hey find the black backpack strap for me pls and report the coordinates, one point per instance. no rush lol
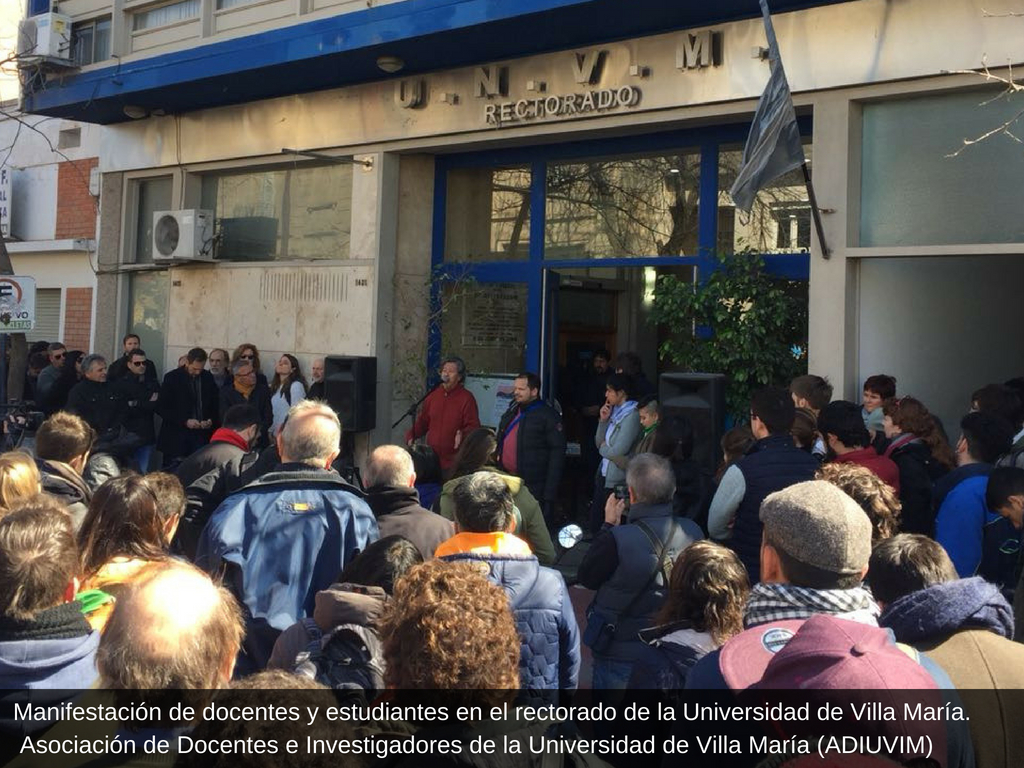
(659, 549)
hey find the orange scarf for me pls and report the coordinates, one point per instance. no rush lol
(242, 389)
(497, 543)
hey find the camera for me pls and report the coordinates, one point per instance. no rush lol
(622, 492)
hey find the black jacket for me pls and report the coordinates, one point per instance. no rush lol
(622, 565)
(399, 513)
(100, 403)
(140, 405)
(208, 476)
(119, 368)
(259, 399)
(63, 483)
(540, 448)
(178, 405)
(918, 471)
(770, 464)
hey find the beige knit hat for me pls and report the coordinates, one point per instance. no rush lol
(819, 525)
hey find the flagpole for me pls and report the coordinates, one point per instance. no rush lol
(815, 213)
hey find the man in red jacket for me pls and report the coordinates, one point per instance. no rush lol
(848, 441)
(448, 414)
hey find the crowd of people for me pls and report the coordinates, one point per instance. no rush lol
(121, 399)
(840, 545)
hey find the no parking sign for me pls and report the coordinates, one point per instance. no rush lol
(17, 304)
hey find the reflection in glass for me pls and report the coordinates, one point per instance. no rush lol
(920, 185)
(622, 207)
(147, 307)
(485, 324)
(153, 195)
(488, 215)
(291, 213)
(780, 220)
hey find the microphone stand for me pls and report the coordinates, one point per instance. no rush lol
(414, 407)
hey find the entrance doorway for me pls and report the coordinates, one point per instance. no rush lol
(542, 256)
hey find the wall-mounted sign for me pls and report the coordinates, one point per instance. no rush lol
(5, 202)
(17, 304)
(587, 74)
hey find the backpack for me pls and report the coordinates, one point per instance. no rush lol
(349, 659)
(1000, 555)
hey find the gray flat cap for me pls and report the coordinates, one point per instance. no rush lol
(819, 525)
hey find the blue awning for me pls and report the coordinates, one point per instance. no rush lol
(428, 35)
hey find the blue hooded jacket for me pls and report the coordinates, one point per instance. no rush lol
(280, 540)
(548, 632)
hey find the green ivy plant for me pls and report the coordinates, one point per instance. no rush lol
(741, 322)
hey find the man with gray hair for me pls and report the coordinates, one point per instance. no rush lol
(286, 536)
(629, 565)
(448, 414)
(244, 387)
(549, 635)
(95, 399)
(390, 481)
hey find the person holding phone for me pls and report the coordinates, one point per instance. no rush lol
(617, 429)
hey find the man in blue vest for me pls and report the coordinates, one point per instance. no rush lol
(531, 442)
(772, 463)
(629, 565)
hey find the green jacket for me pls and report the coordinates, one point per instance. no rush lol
(530, 525)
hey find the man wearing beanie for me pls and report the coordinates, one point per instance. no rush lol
(814, 555)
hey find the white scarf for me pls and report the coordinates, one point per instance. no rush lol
(619, 412)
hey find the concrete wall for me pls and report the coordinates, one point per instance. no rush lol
(942, 326)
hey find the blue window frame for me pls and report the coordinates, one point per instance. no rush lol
(708, 141)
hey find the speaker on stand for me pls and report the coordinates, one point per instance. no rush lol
(701, 398)
(350, 388)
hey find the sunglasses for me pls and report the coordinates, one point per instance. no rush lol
(245, 357)
(137, 363)
(58, 357)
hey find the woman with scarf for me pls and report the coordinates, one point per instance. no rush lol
(244, 387)
(617, 429)
(922, 455)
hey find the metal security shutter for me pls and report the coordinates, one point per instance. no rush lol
(47, 316)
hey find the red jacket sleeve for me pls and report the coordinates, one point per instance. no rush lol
(470, 415)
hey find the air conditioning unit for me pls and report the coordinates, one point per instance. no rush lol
(47, 35)
(185, 235)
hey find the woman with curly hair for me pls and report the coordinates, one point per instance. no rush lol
(922, 455)
(872, 494)
(449, 629)
(704, 607)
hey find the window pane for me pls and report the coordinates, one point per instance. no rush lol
(488, 215)
(295, 213)
(485, 325)
(780, 219)
(101, 48)
(635, 206)
(166, 14)
(147, 302)
(222, 4)
(914, 192)
(154, 195)
(82, 43)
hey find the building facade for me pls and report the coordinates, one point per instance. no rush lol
(507, 181)
(52, 170)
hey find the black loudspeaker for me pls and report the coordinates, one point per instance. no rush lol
(701, 398)
(350, 387)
